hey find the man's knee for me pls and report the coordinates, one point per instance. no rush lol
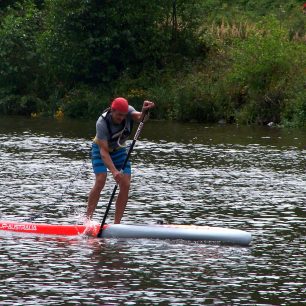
(125, 183)
(100, 180)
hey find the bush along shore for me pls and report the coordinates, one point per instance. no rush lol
(205, 61)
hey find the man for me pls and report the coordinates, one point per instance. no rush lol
(113, 128)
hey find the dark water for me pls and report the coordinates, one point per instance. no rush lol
(247, 178)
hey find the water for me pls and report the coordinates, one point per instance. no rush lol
(248, 178)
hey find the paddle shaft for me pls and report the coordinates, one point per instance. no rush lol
(139, 129)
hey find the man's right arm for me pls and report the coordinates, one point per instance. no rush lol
(104, 151)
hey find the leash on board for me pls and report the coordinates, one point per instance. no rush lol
(58, 200)
(139, 129)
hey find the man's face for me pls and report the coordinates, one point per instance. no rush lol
(118, 117)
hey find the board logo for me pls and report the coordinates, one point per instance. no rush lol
(18, 227)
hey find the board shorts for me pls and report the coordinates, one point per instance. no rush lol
(118, 157)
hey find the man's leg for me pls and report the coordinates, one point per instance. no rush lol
(122, 197)
(94, 194)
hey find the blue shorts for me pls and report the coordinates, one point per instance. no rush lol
(118, 158)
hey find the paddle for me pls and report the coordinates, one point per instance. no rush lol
(139, 129)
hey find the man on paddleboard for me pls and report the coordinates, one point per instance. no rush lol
(113, 128)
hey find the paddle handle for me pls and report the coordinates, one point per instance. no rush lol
(139, 129)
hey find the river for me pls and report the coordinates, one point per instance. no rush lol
(249, 178)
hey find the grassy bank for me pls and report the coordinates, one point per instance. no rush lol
(205, 61)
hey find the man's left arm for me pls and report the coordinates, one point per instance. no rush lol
(137, 116)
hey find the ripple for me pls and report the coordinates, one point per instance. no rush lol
(256, 183)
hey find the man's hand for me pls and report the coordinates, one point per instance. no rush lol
(117, 176)
(138, 116)
(147, 105)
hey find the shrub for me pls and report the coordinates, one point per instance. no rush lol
(85, 102)
(19, 61)
(11, 104)
(294, 113)
(262, 72)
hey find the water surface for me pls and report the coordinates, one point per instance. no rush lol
(239, 177)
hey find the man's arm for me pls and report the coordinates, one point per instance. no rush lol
(137, 116)
(104, 151)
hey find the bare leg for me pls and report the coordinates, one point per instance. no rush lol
(122, 197)
(94, 194)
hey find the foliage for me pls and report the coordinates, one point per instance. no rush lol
(83, 101)
(19, 61)
(263, 71)
(239, 61)
(98, 40)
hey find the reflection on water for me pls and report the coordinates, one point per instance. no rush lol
(247, 178)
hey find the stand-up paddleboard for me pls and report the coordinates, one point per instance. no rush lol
(158, 231)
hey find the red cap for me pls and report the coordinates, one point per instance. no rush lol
(121, 105)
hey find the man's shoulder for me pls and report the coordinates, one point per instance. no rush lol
(101, 129)
(131, 109)
(101, 123)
